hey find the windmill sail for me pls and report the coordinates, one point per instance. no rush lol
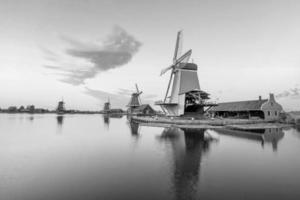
(178, 46)
(183, 59)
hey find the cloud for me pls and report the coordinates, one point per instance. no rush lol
(115, 51)
(116, 100)
(293, 92)
(125, 92)
(150, 97)
(119, 99)
(146, 97)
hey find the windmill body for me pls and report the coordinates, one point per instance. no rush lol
(186, 97)
(135, 106)
(135, 100)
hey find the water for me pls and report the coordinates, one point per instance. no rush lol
(92, 157)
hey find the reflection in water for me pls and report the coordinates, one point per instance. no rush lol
(273, 136)
(134, 129)
(89, 162)
(298, 128)
(31, 118)
(60, 121)
(264, 136)
(106, 120)
(188, 146)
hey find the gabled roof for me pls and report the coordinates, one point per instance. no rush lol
(239, 105)
(142, 107)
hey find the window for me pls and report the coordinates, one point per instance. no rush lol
(269, 113)
(275, 113)
(271, 103)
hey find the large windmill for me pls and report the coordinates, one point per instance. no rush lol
(135, 100)
(186, 96)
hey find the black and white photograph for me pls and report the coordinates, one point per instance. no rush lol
(149, 99)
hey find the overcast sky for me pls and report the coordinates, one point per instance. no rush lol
(87, 51)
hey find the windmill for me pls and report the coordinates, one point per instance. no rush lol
(185, 95)
(135, 100)
(178, 62)
(106, 106)
(61, 107)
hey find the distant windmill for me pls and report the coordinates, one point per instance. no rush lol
(106, 106)
(185, 84)
(135, 100)
(60, 107)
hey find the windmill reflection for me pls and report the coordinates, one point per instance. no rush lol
(106, 119)
(60, 121)
(188, 147)
(298, 127)
(134, 129)
(264, 136)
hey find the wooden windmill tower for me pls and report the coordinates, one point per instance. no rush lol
(106, 107)
(186, 97)
(61, 107)
(135, 100)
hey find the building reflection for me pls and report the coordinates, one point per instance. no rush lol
(188, 147)
(263, 136)
(31, 118)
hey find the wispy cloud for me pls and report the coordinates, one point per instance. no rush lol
(120, 98)
(125, 92)
(115, 51)
(293, 92)
(117, 100)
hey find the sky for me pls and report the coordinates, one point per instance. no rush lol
(86, 52)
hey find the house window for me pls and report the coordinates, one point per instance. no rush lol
(271, 103)
(269, 113)
(275, 113)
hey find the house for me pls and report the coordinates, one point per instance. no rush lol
(30, 108)
(267, 109)
(144, 109)
(12, 109)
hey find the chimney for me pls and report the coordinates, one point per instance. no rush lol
(259, 98)
(271, 98)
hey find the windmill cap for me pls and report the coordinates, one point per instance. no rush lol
(189, 66)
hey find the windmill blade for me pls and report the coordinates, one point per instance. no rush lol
(138, 93)
(185, 57)
(178, 46)
(137, 89)
(166, 69)
(171, 76)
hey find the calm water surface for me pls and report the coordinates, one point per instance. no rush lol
(45, 157)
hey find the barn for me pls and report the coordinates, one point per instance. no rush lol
(144, 109)
(267, 109)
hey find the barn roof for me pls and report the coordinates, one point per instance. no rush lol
(142, 107)
(239, 105)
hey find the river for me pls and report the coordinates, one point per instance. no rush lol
(50, 157)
